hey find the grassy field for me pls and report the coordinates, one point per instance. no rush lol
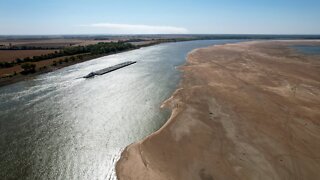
(12, 55)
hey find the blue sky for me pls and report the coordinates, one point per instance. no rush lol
(155, 16)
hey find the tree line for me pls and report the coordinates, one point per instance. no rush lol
(3, 47)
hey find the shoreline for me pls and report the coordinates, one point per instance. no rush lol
(184, 147)
(20, 77)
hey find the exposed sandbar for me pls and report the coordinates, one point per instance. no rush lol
(243, 111)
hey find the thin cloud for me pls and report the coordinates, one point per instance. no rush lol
(137, 29)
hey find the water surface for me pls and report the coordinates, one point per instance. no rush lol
(58, 126)
(308, 49)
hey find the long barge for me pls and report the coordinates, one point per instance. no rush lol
(109, 69)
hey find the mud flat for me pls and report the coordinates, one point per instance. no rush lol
(243, 111)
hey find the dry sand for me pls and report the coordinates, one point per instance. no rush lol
(243, 111)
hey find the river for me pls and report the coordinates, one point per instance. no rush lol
(61, 126)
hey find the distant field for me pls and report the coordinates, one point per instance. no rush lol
(12, 55)
(41, 43)
(51, 43)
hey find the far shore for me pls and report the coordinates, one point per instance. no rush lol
(243, 111)
(18, 78)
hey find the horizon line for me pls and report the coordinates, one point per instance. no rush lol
(99, 34)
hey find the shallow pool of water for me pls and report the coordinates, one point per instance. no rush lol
(308, 49)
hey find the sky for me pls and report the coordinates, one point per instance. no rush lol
(49, 17)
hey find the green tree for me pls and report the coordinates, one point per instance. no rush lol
(28, 68)
(72, 58)
(18, 60)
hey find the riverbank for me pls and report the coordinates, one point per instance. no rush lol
(243, 111)
(20, 77)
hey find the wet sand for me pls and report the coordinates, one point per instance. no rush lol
(243, 111)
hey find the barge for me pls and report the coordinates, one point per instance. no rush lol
(109, 69)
